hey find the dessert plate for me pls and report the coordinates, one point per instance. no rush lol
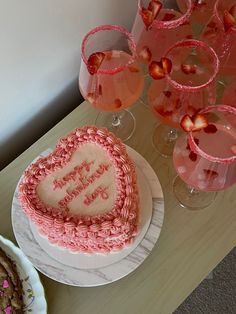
(115, 270)
(33, 297)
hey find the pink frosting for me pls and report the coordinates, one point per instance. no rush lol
(99, 233)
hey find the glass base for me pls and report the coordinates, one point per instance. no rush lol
(190, 197)
(122, 123)
(164, 138)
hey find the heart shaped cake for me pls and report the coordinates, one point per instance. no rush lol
(83, 196)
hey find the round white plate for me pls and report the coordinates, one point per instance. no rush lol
(93, 277)
(33, 297)
(92, 261)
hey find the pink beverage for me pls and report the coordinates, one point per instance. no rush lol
(168, 27)
(205, 160)
(229, 98)
(114, 92)
(221, 37)
(189, 87)
(202, 10)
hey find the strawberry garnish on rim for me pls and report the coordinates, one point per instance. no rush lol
(145, 54)
(166, 64)
(155, 7)
(188, 68)
(94, 62)
(186, 123)
(229, 20)
(159, 69)
(148, 15)
(117, 103)
(195, 123)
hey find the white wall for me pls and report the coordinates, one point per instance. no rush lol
(40, 59)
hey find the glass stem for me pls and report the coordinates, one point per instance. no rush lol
(172, 135)
(115, 120)
(192, 190)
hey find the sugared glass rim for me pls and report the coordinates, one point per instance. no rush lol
(208, 49)
(116, 28)
(218, 15)
(170, 24)
(197, 150)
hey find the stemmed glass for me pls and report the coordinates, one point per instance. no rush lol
(188, 88)
(110, 77)
(220, 34)
(202, 11)
(205, 160)
(157, 26)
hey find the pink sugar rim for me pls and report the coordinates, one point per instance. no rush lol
(218, 16)
(170, 24)
(196, 149)
(208, 49)
(116, 28)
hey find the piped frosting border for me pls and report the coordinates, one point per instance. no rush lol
(101, 233)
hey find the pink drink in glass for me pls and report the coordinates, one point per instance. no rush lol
(202, 10)
(222, 40)
(110, 77)
(206, 161)
(169, 26)
(118, 82)
(189, 87)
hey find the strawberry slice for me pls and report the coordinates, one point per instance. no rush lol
(233, 149)
(91, 97)
(178, 104)
(229, 20)
(145, 54)
(186, 123)
(155, 7)
(188, 68)
(192, 156)
(117, 103)
(166, 64)
(167, 93)
(210, 174)
(211, 128)
(168, 17)
(100, 89)
(133, 69)
(156, 70)
(147, 17)
(95, 61)
(232, 11)
(199, 122)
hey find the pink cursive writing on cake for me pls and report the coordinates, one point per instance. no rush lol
(83, 181)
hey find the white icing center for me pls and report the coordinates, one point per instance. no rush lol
(98, 197)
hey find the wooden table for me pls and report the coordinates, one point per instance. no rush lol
(191, 244)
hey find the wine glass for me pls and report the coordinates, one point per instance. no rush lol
(110, 77)
(157, 26)
(189, 87)
(205, 160)
(220, 34)
(201, 13)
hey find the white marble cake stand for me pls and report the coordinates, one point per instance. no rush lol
(99, 276)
